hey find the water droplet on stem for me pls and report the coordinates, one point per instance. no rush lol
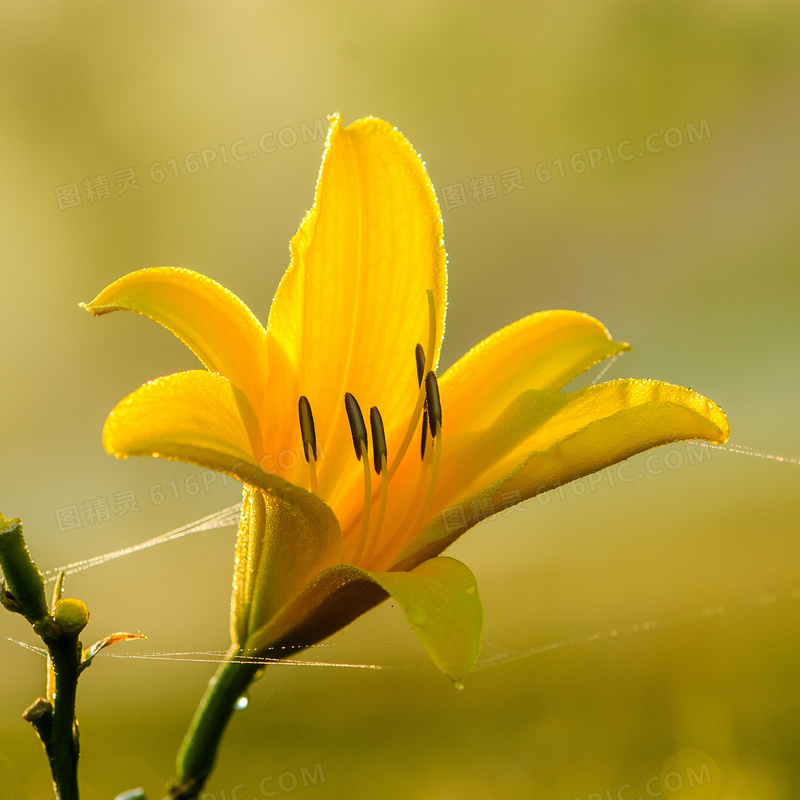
(242, 703)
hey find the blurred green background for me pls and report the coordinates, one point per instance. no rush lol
(689, 250)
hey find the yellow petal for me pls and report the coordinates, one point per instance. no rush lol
(353, 305)
(194, 416)
(439, 599)
(542, 351)
(286, 536)
(198, 418)
(215, 324)
(544, 440)
(536, 420)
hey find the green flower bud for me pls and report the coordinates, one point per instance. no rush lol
(71, 615)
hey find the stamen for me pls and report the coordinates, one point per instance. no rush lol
(420, 353)
(415, 415)
(309, 434)
(434, 404)
(378, 439)
(357, 426)
(420, 375)
(359, 431)
(307, 430)
(379, 454)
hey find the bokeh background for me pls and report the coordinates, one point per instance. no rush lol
(642, 628)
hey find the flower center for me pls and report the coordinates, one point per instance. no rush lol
(369, 548)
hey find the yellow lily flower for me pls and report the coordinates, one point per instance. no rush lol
(331, 526)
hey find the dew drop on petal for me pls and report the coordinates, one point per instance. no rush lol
(242, 703)
(458, 685)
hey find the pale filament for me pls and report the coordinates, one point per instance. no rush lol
(312, 475)
(362, 539)
(384, 494)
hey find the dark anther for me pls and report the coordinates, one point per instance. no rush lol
(423, 441)
(356, 420)
(434, 404)
(420, 354)
(307, 427)
(378, 438)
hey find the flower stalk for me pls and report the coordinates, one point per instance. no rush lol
(198, 751)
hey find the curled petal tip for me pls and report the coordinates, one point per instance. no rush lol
(91, 308)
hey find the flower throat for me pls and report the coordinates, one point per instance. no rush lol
(368, 549)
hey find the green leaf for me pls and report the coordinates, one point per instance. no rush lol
(440, 601)
(439, 598)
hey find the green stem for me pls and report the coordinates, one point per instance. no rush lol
(199, 748)
(65, 652)
(22, 591)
